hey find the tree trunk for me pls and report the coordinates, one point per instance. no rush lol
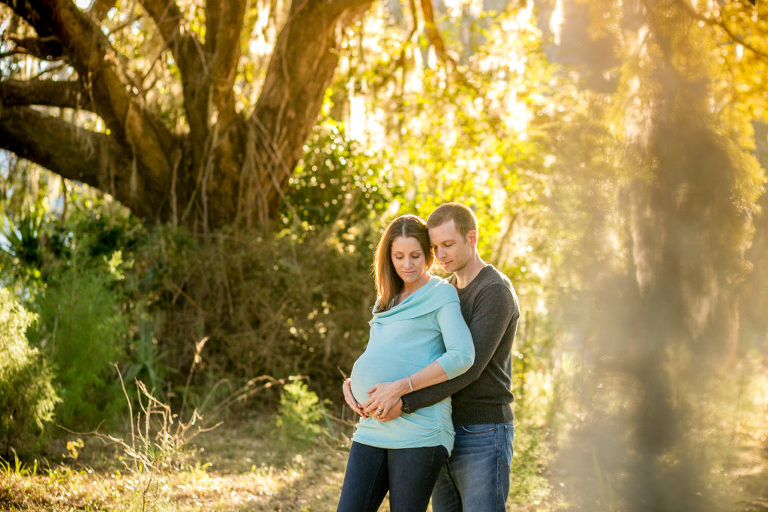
(226, 166)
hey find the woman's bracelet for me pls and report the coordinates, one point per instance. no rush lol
(410, 384)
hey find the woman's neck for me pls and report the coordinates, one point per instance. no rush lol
(409, 288)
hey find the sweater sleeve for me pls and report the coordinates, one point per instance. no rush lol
(459, 350)
(493, 311)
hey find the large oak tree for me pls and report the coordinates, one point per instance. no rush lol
(222, 161)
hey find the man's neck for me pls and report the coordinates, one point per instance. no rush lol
(466, 274)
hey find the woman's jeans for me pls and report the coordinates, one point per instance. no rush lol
(408, 474)
(476, 477)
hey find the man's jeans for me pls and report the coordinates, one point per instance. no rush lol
(408, 474)
(476, 477)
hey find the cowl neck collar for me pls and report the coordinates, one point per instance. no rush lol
(431, 296)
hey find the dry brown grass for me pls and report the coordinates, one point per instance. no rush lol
(233, 468)
(242, 465)
(292, 488)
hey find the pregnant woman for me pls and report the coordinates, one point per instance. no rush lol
(418, 338)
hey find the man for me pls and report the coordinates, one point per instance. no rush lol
(476, 477)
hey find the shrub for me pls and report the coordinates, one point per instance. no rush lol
(299, 413)
(71, 269)
(269, 304)
(82, 329)
(336, 182)
(291, 297)
(27, 397)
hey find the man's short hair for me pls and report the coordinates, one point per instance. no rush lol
(463, 218)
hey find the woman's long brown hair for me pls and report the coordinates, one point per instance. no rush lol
(388, 283)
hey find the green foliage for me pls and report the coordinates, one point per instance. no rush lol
(82, 329)
(529, 483)
(145, 361)
(269, 304)
(299, 413)
(30, 244)
(22, 240)
(72, 271)
(18, 467)
(336, 181)
(291, 298)
(543, 161)
(27, 395)
(472, 131)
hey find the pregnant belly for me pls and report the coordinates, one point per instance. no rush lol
(369, 371)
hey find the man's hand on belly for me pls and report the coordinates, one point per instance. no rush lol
(383, 397)
(394, 412)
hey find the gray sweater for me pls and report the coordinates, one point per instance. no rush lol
(483, 394)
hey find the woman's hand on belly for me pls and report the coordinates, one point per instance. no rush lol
(384, 396)
(350, 398)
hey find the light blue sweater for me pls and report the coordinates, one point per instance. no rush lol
(427, 326)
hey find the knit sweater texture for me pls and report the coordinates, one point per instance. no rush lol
(427, 326)
(483, 394)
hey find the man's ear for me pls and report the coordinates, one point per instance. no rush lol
(472, 237)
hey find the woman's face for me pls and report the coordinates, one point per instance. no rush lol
(409, 259)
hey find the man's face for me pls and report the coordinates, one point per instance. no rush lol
(452, 250)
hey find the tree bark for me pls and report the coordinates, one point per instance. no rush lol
(293, 91)
(43, 92)
(224, 166)
(76, 154)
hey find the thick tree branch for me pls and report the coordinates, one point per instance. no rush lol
(183, 44)
(433, 34)
(76, 154)
(226, 56)
(228, 168)
(212, 18)
(189, 57)
(51, 93)
(100, 8)
(97, 64)
(343, 5)
(292, 94)
(44, 48)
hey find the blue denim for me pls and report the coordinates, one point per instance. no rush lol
(408, 474)
(476, 477)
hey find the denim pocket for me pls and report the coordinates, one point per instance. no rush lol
(487, 428)
(509, 430)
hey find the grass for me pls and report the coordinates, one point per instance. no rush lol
(232, 468)
(243, 465)
(247, 465)
(255, 465)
